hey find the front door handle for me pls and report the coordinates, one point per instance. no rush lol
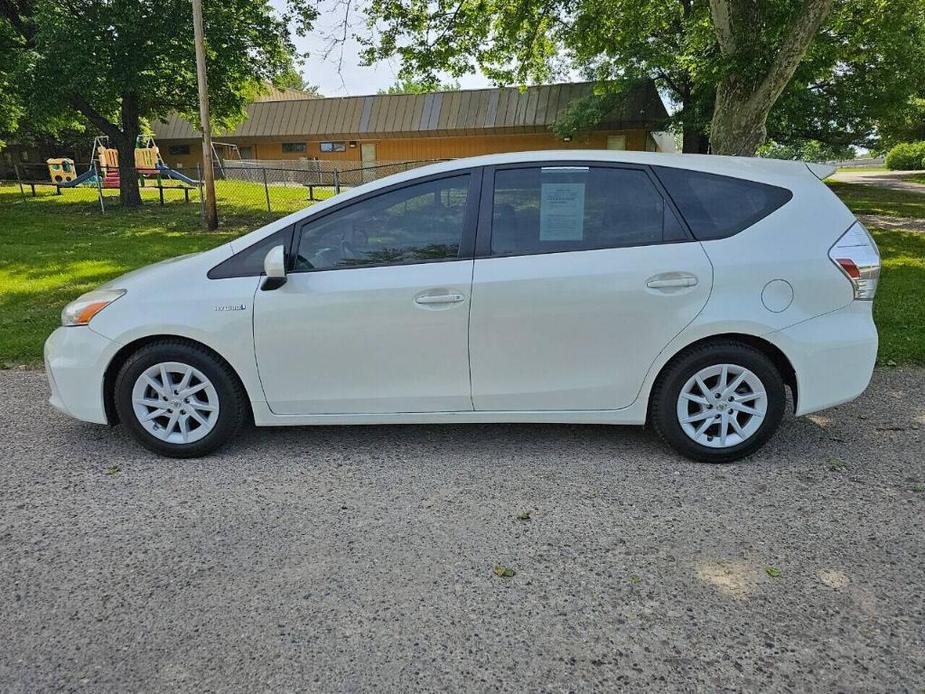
(431, 299)
(672, 280)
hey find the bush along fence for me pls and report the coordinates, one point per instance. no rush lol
(906, 156)
(258, 188)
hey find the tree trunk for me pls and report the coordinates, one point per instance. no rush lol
(129, 193)
(741, 108)
(739, 124)
(122, 139)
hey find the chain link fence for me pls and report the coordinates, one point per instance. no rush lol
(248, 191)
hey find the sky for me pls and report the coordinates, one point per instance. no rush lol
(340, 73)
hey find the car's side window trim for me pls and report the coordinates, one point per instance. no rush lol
(486, 206)
(470, 216)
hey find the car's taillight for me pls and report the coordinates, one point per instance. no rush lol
(856, 254)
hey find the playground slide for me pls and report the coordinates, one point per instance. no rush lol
(176, 175)
(87, 177)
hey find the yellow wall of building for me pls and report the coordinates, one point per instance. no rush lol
(421, 148)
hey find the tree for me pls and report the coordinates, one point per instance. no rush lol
(723, 64)
(120, 62)
(412, 86)
(291, 78)
(904, 125)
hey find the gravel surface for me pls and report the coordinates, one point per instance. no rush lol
(361, 559)
(894, 180)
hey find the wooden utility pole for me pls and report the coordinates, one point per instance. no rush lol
(211, 213)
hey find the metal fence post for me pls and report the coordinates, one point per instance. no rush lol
(22, 190)
(336, 181)
(266, 188)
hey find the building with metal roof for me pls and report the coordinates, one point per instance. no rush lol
(289, 124)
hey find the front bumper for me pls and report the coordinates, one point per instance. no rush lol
(75, 364)
(833, 355)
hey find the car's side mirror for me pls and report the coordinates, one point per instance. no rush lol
(274, 266)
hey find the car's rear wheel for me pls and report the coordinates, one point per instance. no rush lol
(718, 402)
(178, 399)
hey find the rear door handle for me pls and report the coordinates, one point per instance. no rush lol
(431, 299)
(671, 280)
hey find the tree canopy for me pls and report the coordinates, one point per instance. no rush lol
(409, 85)
(116, 63)
(825, 70)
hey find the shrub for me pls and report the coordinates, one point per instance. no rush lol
(906, 156)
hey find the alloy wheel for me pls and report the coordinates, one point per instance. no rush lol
(175, 402)
(722, 405)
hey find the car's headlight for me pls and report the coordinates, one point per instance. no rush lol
(83, 308)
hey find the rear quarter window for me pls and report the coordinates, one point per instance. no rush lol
(716, 207)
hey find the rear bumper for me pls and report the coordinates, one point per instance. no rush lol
(75, 364)
(833, 355)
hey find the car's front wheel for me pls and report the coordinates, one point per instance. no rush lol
(178, 399)
(718, 402)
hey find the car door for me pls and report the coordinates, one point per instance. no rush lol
(583, 273)
(373, 317)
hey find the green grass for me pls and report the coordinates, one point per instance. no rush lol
(53, 248)
(899, 308)
(864, 199)
(917, 178)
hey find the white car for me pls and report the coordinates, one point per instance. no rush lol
(602, 287)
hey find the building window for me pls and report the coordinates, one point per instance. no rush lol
(178, 150)
(24, 155)
(616, 142)
(246, 152)
(333, 146)
(293, 147)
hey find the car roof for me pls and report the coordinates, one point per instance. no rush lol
(742, 167)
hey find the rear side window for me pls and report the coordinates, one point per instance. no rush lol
(552, 209)
(249, 262)
(717, 207)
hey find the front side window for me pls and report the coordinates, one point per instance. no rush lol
(573, 208)
(178, 150)
(293, 147)
(422, 222)
(333, 146)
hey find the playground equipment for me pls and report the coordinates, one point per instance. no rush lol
(61, 170)
(148, 164)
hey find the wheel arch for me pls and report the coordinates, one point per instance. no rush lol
(773, 352)
(130, 348)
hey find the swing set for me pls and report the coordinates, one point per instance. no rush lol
(104, 171)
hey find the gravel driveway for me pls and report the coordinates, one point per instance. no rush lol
(361, 559)
(894, 180)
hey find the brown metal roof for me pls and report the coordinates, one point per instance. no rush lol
(505, 109)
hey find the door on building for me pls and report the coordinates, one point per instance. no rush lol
(368, 157)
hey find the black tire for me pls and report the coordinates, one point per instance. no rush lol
(232, 399)
(663, 413)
